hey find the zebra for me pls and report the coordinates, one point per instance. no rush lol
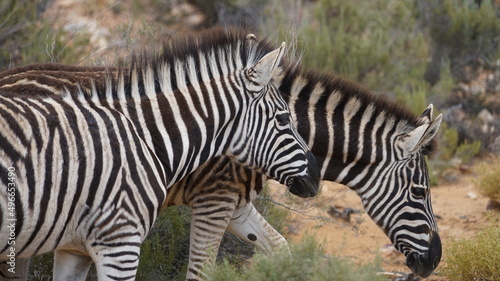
(90, 168)
(369, 143)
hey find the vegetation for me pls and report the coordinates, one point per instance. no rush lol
(164, 254)
(464, 32)
(307, 262)
(488, 182)
(25, 38)
(16, 18)
(451, 153)
(476, 258)
(367, 45)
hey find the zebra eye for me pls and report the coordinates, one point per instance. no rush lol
(418, 192)
(283, 119)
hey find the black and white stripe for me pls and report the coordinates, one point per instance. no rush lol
(375, 147)
(94, 161)
(359, 140)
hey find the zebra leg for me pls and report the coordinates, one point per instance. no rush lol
(251, 227)
(19, 273)
(208, 225)
(70, 266)
(118, 262)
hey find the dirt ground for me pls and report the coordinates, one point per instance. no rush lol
(459, 208)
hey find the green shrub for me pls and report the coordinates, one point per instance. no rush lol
(164, 254)
(308, 262)
(413, 94)
(452, 149)
(476, 258)
(16, 21)
(488, 182)
(26, 39)
(451, 153)
(41, 267)
(463, 32)
(365, 42)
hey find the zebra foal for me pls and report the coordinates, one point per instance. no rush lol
(93, 165)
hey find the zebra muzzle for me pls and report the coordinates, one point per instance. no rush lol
(424, 264)
(306, 186)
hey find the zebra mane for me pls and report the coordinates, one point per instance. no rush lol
(231, 42)
(348, 89)
(217, 40)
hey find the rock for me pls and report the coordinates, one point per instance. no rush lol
(399, 276)
(472, 195)
(494, 146)
(493, 205)
(485, 116)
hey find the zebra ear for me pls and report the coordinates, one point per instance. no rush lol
(420, 136)
(426, 117)
(251, 38)
(262, 72)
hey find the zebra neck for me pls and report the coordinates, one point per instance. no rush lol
(349, 130)
(184, 123)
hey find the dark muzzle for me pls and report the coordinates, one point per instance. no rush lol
(306, 186)
(424, 265)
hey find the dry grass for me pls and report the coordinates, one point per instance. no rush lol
(477, 258)
(488, 182)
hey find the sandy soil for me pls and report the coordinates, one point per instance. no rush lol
(459, 208)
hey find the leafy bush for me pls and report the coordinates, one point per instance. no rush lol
(455, 152)
(16, 18)
(308, 262)
(476, 258)
(451, 153)
(26, 39)
(464, 31)
(364, 41)
(488, 182)
(164, 254)
(41, 267)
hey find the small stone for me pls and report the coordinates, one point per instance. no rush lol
(485, 116)
(472, 195)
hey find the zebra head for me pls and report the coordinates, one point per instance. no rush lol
(269, 140)
(404, 209)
